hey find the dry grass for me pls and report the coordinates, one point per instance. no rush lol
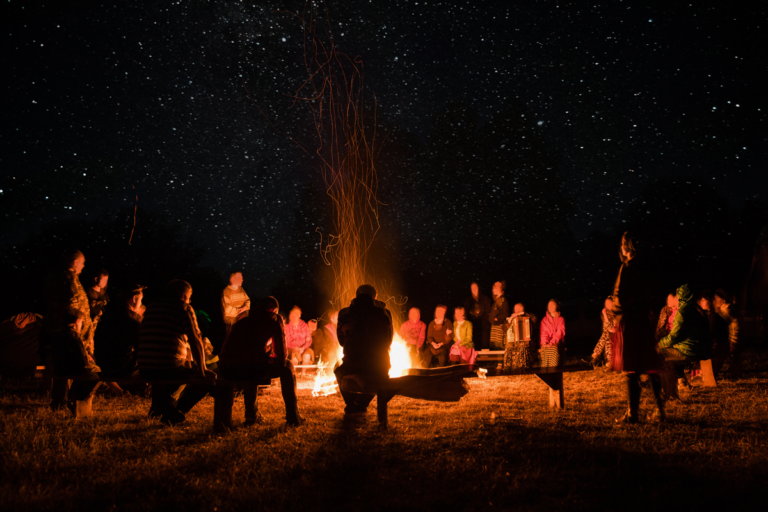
(448, 456)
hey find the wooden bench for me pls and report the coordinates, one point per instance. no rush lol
(551, 376)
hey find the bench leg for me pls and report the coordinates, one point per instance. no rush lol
(381, 407)
(707, 373)
(223, 401)
(84, 408)
(556, 391)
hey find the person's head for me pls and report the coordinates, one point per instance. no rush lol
(721, 298)
(704, 300)
(414, 314)
(101, 279)
(135, 295)
(458, 314)
(312, 324)
(498, 288)
(270, 304)
(553, 307)
(628, 248)
(236, 279)
(475, 289)
(334, 316)
(75, 260)
(74, 318)
(294, 315)
(519, 308)
(440, 312)
(672, 301)
(608, 304)
(179, 289)
(366, 290)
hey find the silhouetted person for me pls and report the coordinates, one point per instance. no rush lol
(97, 297)
(478, 309)
(365, 331)
(634, 346)
(116, 342)
(169, 335)
(498, 315)
(325, 342)
(255, 349)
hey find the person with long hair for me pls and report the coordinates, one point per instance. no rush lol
(633, 342)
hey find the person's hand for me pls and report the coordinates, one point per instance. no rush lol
(434, 345)
(439, 345)
(447, 332)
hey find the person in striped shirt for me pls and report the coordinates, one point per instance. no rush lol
(169, 334)
(234, 300)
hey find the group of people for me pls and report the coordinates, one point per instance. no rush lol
(163, 343)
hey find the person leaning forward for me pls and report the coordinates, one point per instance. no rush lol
(255, 349)
(365, 331)
(168, 332)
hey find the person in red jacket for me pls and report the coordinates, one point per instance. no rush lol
(414, 332)
(552, 335)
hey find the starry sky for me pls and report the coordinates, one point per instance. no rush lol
(105, 101)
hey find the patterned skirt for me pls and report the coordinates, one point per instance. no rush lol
(518, 355)
(497, 337)
(550, 356)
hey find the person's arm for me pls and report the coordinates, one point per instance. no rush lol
(422, 335)
(559, 336)
(307, 338)
(661, 326)
(196, 343)
(466, 340)
(247, 304)
(431, 334)
(546, 332)
(673, 337)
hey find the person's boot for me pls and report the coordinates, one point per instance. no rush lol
(659, 416)
(633, 393)
(255, 419)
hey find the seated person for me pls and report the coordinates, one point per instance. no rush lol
(726, 310)
(552, 335)
(298, 339)
(169, 330)
(255, 349)
(463, 350)
(365, 332)
(689, 338)
(325, 342)
(19, 345)
(71, 359)
(667, 316)
(414, 332)
(439, 339)
(116, 340)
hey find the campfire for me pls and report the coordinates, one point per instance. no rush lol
(399, 360)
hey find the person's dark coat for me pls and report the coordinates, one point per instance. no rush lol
(69, 356)
(633, 341)
(365, 331)
(116, 341)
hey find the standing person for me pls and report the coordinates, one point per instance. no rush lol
(414, 332)
(365, 331)
(116, 342)
(633, 344)
(63, 291)
(169, 335)
(439, 339)
(498, 315)
(725, 308)
(478, 308)
(298, 339)
(245, 355)
(552, 335)
(604, 343)
(97, 297)
(463, 350)
(667, 315)
(234, 300)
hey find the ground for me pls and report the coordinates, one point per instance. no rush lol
(500, 448)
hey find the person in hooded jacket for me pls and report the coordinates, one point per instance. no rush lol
(689, 338)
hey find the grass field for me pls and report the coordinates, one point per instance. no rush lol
(711, 455)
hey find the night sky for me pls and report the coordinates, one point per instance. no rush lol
(615, 97)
